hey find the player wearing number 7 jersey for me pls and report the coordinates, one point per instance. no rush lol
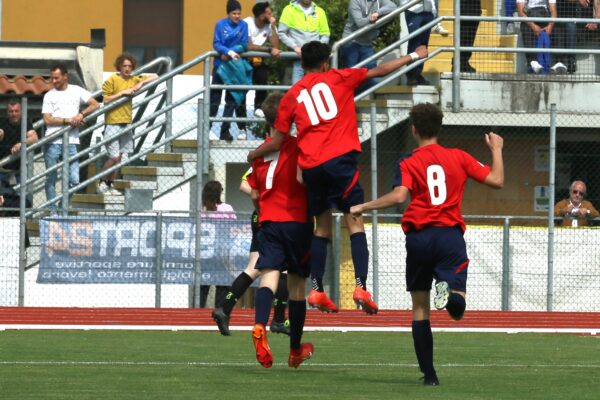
(322, 106)
(284, 241)
(435, 177)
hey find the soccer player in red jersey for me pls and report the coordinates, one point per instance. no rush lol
(435, 178)
(322, 106)
(284, 240)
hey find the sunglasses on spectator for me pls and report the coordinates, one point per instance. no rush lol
(578, 192)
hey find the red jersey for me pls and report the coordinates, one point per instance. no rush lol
(322, 106)
(436, 177)
(282, 197)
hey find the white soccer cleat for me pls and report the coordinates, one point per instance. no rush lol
(442, 294)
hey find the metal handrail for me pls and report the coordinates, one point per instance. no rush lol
(380, 22)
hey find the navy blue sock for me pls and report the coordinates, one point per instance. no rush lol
(318, 257)
(297, 314)
(423, 341)
(360, 257)
(281, 299)
(262, 305)
(238, 287)
(456, 306)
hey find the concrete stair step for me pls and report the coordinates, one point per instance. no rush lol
(481, 40)
(478, 56)
(184, 145)
(122, 184)
(152, 171)
(482, 66)
(97, 199)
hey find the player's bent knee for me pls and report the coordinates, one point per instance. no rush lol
(456, 306)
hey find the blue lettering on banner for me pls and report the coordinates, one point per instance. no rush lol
(123, 250)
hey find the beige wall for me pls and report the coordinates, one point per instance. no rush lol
(64, 21)
(71, 21)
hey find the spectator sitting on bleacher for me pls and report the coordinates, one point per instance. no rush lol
(574, 210)
(531, 31)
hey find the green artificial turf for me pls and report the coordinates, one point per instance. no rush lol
(204, 365)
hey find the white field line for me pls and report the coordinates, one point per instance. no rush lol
(308, 364)
(589, 331)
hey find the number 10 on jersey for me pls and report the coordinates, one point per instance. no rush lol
(318, 103)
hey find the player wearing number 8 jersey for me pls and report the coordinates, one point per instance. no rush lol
(322, 106)
(435, 177)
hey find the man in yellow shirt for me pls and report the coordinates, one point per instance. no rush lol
(121, 84)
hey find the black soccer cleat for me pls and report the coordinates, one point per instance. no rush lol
(222, 321)
(430, 380)
(280, 327)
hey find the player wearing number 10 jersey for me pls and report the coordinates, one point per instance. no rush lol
(435, 177)
(322, 106)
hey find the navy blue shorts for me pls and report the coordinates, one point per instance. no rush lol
(333, 184)
(436, 252)
(254, 224)
(285, 246)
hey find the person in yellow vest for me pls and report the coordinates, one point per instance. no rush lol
(121, 84)
(575, 210)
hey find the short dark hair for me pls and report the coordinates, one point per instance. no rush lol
(427, 119)
(260, 8)
(14, 100)
(270, 107)
(61, 67)
(121, 59)
(315, 54)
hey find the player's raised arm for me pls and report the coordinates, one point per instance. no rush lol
(388, 67)
(396, 196)
(495, 178)
(267, 148)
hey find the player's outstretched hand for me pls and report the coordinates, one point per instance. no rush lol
(494, 141)
(422, 52)
(356, 211)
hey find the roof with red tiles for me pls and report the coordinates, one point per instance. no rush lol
(21, 84)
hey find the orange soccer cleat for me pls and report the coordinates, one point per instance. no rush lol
(363, 299)
(321, 301)
(264, 355)
(296, 357)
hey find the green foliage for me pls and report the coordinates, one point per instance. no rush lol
(337, 15)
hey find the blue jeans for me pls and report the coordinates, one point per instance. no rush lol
(352, 54)
(414, 21)
(52, 155)
(297, 71)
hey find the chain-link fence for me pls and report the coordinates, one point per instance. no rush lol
(180, 146)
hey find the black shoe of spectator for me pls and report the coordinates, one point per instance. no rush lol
(411, 81)
(422, 81)
(226, 136)
(466, 67)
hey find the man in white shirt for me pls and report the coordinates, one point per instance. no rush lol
(262, 31)
(61, 108)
